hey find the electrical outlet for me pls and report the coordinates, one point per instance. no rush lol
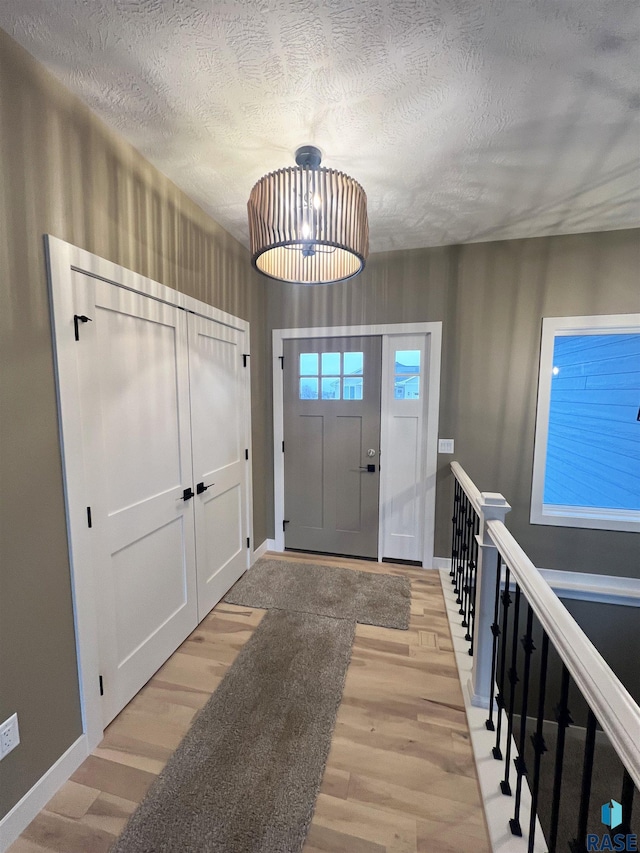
(445, 445)
(9, 735)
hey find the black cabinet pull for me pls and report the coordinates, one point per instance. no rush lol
(370, 468)
(187, 494)
(200, 488)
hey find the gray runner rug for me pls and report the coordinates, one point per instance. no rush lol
(246, 776)
(325, 590)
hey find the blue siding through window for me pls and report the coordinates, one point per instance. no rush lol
(593, 444)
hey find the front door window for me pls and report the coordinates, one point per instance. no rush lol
(331, 375)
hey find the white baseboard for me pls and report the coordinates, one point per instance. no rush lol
(272, 545)
(581, 586)
(259, 551)
(21, 815)
(498, 809)
(598, 589)
(603, 589)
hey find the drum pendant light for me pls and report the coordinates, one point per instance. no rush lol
(308, 224)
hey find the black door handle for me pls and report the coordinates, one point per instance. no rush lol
(187, 494)
(80, 318)
(370, 468)
(200, 487)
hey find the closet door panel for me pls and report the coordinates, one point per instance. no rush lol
(219, 464)
(143, 571)
(136, 424)
(139, 368)
(222, 529)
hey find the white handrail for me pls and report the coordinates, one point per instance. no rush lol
(468, 486)
(611, 703)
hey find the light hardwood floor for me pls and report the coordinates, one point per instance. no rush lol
(400, 777)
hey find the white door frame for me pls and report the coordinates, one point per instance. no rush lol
(62, 260)
(433, 333)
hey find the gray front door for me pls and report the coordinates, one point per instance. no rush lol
(332, 444)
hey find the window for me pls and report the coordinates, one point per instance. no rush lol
(587, 448)
(407, 375)
(331, 375)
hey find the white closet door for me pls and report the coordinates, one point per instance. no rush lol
(218, 400)
(136, 431)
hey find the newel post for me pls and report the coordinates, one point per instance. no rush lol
(492, 507)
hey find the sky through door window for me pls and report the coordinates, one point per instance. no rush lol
(407, 375)
(331, 376)
(587, 448)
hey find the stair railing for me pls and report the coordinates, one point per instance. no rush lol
(505, 594)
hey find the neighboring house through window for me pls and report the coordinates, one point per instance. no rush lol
(587, 448)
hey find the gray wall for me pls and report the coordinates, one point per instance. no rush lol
(491, 298)
(63, 173)
(615, 632)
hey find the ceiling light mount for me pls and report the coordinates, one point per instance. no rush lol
(308, 224)
(308, 155)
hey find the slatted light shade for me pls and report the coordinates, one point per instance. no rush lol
(307, 224)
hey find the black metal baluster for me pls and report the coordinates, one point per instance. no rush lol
(462, 550)
(468, 509)
(472, 596)
(469, 576)
(461, 562)
(506, 601)
(537, 739)
(495, 630)
(458, 546)
(465, 565)
(458, 541)
(454, 523)
(468, 568)
(505, 787)
(578, 845)
(626, 801)
(520, 765)
(456, 579)
(563, 717)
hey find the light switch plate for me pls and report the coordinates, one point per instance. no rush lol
(445, 445)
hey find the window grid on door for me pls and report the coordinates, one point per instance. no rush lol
(331, 376)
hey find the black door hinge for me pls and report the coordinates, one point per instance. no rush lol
(284, 523)
(245, 356)
(101, 686)
(89, 521)
(248, 542)
(283, 446)
(281, 357)
(246, 453)
(80, 318)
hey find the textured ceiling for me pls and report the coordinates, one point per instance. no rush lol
(464, 120)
